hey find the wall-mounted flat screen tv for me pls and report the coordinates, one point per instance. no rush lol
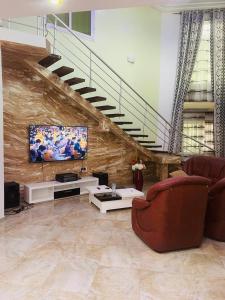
(57, 143)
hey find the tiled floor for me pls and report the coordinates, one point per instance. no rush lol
(67, 250)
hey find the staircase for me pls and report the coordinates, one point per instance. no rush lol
(79, 73)
(62, 71)
(97, 113)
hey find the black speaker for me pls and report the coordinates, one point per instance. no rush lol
(103, 177)
(12, 194)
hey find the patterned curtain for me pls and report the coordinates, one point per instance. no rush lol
(191, 27)
(199, 124)
(200, 88)
(218, 78)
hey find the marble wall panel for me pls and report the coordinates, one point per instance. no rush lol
(27, 100)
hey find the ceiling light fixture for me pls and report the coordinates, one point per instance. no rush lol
(56, 2)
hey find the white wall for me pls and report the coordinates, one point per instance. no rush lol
(22, 38)
(170, 24)
(168, 62)
(131, 31)
(118, 34)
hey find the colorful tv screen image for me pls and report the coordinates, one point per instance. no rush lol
(57, 143)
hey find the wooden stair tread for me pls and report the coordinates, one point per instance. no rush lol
(123, 123)
(131, 129)
(114, 115)
(62, 71)
(85, 90)
(152, 146)
(74, 80)
(105, 107)
(146, 142)
(49, 60)
(95, 99)
(139, 135)
(159, 151)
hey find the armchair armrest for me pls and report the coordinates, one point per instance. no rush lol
(217, 187)
(140, 203)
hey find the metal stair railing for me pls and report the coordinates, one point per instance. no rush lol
(119, 93)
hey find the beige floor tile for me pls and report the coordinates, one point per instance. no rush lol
(73, 276)
(116, 283)
(67, 249)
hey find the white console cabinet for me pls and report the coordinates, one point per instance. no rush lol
(44, 191)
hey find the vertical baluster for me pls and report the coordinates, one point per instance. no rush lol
(9, 23)
(90, 82)
(44, 26)
(120, 95)
(38, 32)
(165, 137)
(145, 119)
(54, 35)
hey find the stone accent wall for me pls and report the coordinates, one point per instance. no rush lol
(28, 100)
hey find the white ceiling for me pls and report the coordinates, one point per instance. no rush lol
(13, 8)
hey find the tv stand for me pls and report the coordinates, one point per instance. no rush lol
(48, 191)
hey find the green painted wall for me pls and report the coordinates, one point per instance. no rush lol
(135, 31)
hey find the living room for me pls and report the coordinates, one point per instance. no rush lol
(97, 217)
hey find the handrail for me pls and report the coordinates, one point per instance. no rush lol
(153, 110)
(151, 114)
(125, 82)
(109, 67)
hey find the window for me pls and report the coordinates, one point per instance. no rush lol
(198, 108)
(64, 18)
(81, 22)
(78, 21)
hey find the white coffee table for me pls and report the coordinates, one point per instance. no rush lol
(98, 189)
(127, 197)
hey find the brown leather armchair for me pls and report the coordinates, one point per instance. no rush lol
(172, 216)
(212, 168)
(215, 215)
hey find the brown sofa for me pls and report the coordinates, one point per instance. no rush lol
(214, 169)
(172, 216)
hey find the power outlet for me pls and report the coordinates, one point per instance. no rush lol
(83, 169)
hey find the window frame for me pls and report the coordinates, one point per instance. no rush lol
(79, 34)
